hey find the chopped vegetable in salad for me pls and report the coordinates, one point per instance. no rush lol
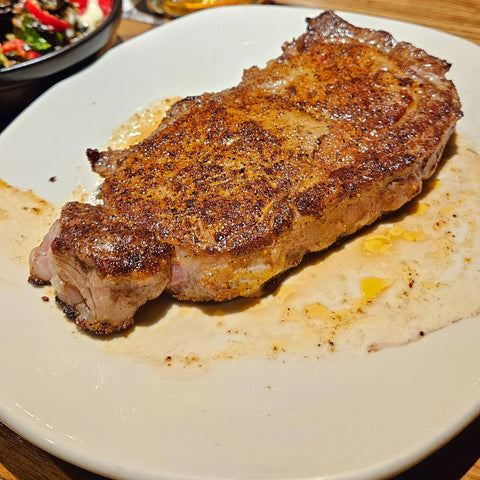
(31, 28)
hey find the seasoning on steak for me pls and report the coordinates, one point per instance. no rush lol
(235, 187)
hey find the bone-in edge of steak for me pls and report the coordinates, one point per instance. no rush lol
(235, 187)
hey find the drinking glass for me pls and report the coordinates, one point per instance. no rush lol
(175, 8)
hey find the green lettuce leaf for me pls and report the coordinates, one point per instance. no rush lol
(30, 35)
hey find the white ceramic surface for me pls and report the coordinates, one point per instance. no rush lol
(345, 417)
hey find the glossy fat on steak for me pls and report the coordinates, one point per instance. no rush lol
(235, 187)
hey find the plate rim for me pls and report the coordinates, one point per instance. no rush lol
(21, 426)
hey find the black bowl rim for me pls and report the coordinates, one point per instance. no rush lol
(31, 65)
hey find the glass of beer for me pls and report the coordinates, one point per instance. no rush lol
(175, 8)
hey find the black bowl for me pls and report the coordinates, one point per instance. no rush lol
(21, 83)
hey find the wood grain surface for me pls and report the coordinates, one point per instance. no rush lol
(459, 17)
(460, 458)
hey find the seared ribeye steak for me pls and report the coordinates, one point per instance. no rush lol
(235, 187)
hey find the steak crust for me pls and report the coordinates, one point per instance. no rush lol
(235, 187)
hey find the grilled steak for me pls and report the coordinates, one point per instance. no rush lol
(235, 187)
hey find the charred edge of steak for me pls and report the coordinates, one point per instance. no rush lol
(69, 311)
(97, 328)
(103, 162)
(103, 328)
(93, 156)
(37, 281)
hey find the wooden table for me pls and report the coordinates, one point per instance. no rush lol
(459, 459)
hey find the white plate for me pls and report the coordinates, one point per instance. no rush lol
(344, 417)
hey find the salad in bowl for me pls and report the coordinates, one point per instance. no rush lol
(32, 28)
